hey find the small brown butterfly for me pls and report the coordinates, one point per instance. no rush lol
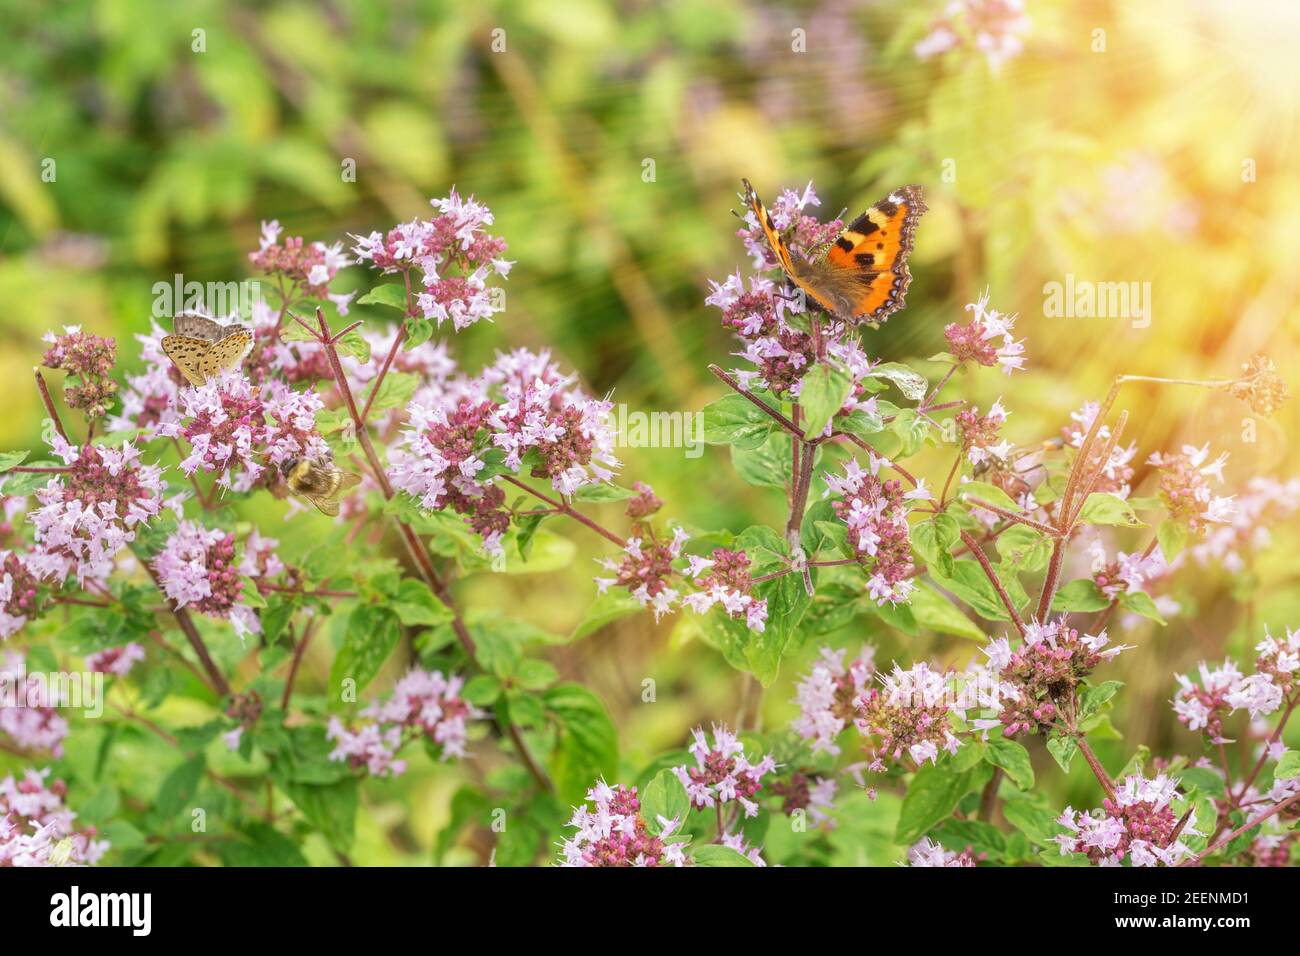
(203, 348)
(863, 276)
(320, 481)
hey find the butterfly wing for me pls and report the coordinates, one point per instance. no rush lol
(798, 271)
(187, 354)
(225, 354)
(196, 326)
(867, 265)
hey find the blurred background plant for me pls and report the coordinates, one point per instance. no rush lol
(1104, 141)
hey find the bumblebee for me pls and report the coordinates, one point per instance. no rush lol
(320, 481)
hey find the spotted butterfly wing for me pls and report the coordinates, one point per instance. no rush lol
(186, 353)
(864, 276)
(226, 353)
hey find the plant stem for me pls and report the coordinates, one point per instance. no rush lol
(767, 409)
(561, 507)
(992, 575)
(1097, 769)
(1276, 808)
(419, 553)
(383, 371)
(49, 404)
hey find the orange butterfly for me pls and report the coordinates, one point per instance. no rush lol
(863, 276)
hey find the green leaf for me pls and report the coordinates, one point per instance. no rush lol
(1081, 594)
(415, 605)
(12, 459)
(395, 390)
(768, 466)
(970, 584)
(1093, 699)
(482, 690)
(179, 786)
(1063, 750)
(263, 845)
(935, 612)
(990, 493)
(1014, 760)
(372, 634)
(355, 346)
(734, 420)
(715, 854)
(615, 603)
(1023, 548)
(24, 483)
(389, 294)
(664, 797)
(603, 491)
(1172, 537)
(586, 743)
(1028, 813)
(822, 393)
(1139, 602)
(932, 796)
(534, 674)
(1288, 766)
(911, 383)
(331, 809)
(1208, 781)
(1103, 508)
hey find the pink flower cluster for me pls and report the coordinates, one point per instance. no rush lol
(724, 579)
(1266, 503)
(813, 795)
(828, 695)
(780, 352)
(615, 834)
(876, 513)
(1136, 827)
(88, 360)
(197, 568)
(89, 513)
(521, 406)
(1126, 573)
(908, 714)
(37, 829)
(928, 853)
(423, 704)
(646, 571)
(454, 254)
(1042, 672)
(1117, 471)
(979, 434)
(21, 593)
(1185, 490)
(986, 339)
(29, 713)
(242, 433)
(1224, 690)
(722, 773)
(116, 660)
(309, 269)
(995, 28)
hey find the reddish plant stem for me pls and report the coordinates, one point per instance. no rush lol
(1276, 808)
(1098, 770)
(383, 371)
(1012, 516)
(1053, 578)
(299, 650)
(561, 507)
(218, 680)
(1263, 757)
(36, 470)
(771, 412)
(934, 393)
(989, 798)
(319, 592)
(48, 402)
(994, 580)
(419, 553)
